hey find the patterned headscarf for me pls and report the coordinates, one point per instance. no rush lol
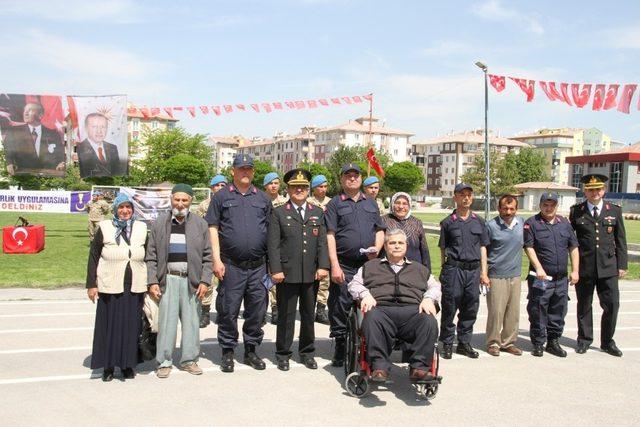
(120, 224)
(393, 199)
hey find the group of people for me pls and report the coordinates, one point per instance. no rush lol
(247, 243)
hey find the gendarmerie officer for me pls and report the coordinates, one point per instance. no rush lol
(603, 259)
(353, 223)
(298, 259)
(238, 219)
(463, 242)
(548, 241)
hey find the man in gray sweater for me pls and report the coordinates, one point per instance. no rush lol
(501, 274)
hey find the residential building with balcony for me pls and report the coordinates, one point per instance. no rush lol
(291, 150)
(138, 126)
(224, 149)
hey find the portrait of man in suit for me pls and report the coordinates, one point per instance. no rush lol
(31, 147)
(96, 156)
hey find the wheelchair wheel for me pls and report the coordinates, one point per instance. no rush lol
(352, 353)
(357, 385)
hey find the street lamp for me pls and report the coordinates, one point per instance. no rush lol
(487, 191)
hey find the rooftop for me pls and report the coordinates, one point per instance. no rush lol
(475, 137)
(544, 186)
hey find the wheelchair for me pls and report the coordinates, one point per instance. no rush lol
(358, 372)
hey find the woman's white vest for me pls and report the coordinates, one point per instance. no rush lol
(114, 259)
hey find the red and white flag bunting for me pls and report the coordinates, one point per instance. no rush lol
(602, 96)
(268, 107)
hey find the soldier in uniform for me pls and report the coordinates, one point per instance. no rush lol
(319, 198)
(97, 209)
(355, 234)
(238, 219)
(548, 242)
(271, 184)
(217, 183)
(371, 187)
(603, 259)
(298, 259)
(463, 242)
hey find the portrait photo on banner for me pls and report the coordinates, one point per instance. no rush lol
(32, 129)
(100, 134)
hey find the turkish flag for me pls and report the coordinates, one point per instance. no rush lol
(192, 111)
(598, 97)
(610, 98)
(625, 98)
(204, 109)
(527, 86)
(216, 110)
(300, 105)
(23, 240)
(154, 111)
(228, 108)
(239, 107)
(368, 97)
(335, 100)
(277, 105)
(356, 99)
(255, 107)
(145, 112)
(312, 104)
(323, 102)
(290, 104)
(580, 96)
(498, 82)
(266, 107)
(169, 111)
(371, 156)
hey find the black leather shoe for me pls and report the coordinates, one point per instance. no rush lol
(447, 351)
(538, 351)
(582, 347)
(252, 359)
(612, 349)
(321, 315)
(128, 373)
(309, 362)
(466, 350)
(107, 375)
(205, 317)
(226, 364)
(553, 347)
(339, 352)
(274, 316)
(283, 365)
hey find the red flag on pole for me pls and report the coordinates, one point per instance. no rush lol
(498, 82)
(371, 156)
(368, 97)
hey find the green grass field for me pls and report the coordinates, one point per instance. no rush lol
(64, 259)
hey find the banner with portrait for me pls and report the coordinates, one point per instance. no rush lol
(148, 203)
(32, 133)
(100, 134)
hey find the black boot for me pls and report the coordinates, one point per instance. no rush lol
(226, 364)
(274, 315)
(553, 347)
(321, 314)
(205, 316)
(252, 359)
(465, 349)
(447, 351)
(339, 352)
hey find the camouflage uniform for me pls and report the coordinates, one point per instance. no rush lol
(207, 300)
(97, 210)
(203, 207)
(381, 207)
(323, 288)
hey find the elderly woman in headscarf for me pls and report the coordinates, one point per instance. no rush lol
(117, 281)
(399, 216)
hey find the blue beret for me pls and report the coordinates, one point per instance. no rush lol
(371, 180)
(317, 180)
(217, 180)
(269, 177)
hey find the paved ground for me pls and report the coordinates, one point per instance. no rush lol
(45, 339)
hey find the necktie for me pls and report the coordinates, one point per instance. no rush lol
(100, 155)
(34, 134)
(300, 212)
(595, 212)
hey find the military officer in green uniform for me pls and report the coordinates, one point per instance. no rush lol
(603, 259)
(97, 209)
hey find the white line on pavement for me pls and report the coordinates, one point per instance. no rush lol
(208, 343)
(20, 331)
(83, 313)
(42, 302)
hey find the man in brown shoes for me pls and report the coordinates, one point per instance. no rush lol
(501, 274)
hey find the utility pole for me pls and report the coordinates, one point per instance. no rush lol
(487, 195)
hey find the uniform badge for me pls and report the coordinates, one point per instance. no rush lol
(288, 217)
(315, 232)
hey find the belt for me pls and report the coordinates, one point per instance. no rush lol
(245, 265)
(558, 277)
(472, 265)
(178, 273)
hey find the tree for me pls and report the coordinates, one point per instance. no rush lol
(356, 155)
(404, 176)
(187, 169)
(476, 177)
(260, 169)
(162, 145)
(528, 165)
(317, 169)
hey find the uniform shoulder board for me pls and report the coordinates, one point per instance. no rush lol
(614, 204)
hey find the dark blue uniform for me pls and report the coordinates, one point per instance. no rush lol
(355, 224)
(547, 305)
(460, 275)
(242, 221)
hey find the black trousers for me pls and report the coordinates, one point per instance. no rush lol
(547, 309)
(287, 296)
(340, 302)
(609, 297)
(384, 324)
(461, 293)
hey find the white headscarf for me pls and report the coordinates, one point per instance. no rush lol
(393, 199)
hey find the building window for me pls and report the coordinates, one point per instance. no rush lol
(430, 170)
(429, 181)
(154, 125)
(136, 124)
(615, 178)
(438, 170)
(576, 174)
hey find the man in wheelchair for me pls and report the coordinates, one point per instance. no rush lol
(398, 298)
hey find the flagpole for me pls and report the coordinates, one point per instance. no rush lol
(370, 134)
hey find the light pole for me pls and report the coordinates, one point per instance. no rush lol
(487, 191)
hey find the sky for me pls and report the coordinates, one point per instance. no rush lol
(416, 57)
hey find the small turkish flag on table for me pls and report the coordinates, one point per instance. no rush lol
(23, 240)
